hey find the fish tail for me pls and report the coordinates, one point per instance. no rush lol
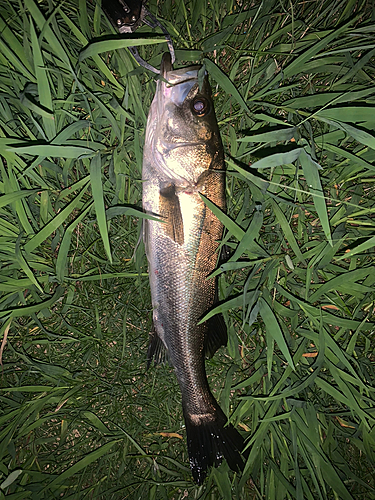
(209, 440)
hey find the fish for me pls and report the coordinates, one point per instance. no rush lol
(183, 161)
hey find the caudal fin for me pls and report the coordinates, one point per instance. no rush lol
(209, 440)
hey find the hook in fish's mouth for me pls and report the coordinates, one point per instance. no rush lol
(175, 84)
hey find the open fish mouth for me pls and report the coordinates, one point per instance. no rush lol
(175, 84)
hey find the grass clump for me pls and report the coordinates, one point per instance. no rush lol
(295, 100)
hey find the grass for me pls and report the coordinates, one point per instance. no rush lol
(80, 417)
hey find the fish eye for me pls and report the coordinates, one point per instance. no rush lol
(200, 106)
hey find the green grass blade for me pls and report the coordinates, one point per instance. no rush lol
(44, 91)
(97, 193)
(232, 227)
(25, 267)
(62, 258)
(222, 79)
(6, 199)
(311, 173)
(229, 304)
(287, 231)
(116, 43)
(278, 159)
(274, 329)
(252, 233)
(284, 134)
(55, 223)
(84, 462)
(370, 243)
(18, 312)
(65, 151)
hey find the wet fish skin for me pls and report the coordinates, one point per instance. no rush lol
(183, 158)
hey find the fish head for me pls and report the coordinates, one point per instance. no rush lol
(182, 131)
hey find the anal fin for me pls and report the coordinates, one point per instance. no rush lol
(156, 349)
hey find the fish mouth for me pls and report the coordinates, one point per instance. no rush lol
(166, 64)
(175, 84)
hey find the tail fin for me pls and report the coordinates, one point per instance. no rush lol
(209, 440)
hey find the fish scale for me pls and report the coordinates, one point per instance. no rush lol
(183, 159)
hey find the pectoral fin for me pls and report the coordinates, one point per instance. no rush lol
(170, 210)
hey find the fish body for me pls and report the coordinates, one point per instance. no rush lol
(183, 159)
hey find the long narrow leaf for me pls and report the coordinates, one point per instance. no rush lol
(274, 329)
(97, 192)
(311, 173)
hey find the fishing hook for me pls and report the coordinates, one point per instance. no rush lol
(127, 16)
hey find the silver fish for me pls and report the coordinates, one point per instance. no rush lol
(183, 158)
